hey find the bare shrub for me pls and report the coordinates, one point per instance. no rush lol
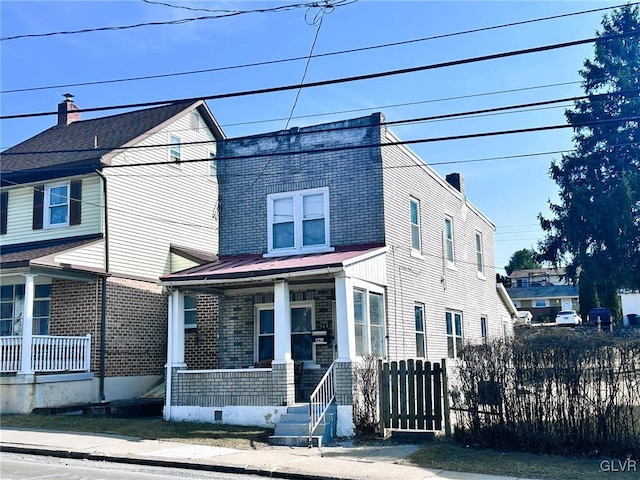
(552, 391)
(365, 408)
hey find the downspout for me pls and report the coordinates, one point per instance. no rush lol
(103, 313)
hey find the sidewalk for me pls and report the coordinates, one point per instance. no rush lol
(330, 463)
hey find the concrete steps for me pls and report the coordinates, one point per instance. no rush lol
(293, 428)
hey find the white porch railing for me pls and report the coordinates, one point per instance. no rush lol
(48, 354)
(321, 399)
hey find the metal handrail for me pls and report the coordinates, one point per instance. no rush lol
(321, 399)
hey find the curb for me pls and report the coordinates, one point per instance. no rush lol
(163, 463)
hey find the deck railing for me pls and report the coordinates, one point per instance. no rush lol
(49, 354)
(321, 399)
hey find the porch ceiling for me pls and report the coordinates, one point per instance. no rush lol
(228, 272)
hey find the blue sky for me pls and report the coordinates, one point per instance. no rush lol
(511, 192)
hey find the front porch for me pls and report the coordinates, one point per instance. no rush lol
(322, 317)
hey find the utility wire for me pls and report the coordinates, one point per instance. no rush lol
(593, 98)
(293, 59)
(334, 81)
(226, 14)
(358, 147)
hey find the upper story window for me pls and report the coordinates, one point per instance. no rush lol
(448, 233)
(415, 224)
(298, 222)
(195, 120)
(479, 256)
(213, 165)
(56, 205)
(174, 149)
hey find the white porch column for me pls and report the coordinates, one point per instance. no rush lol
(282, 322)
(27, 325)
(177, 329)
(345, 328)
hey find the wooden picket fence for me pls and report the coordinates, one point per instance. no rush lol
(411, 395)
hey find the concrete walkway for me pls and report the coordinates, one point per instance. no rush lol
(332, 462)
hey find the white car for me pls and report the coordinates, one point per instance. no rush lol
(568, 317)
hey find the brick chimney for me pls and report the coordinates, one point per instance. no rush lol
(67, 111)
(456, 181)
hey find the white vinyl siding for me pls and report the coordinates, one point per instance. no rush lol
(20, 214)
(148, 213)
(91, 255)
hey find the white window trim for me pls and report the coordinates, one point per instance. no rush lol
(479, 266)
(450, 263)
(416, 202)
(453, 334)
(47, 210)
(368, 288)
(484, 325)
(546, 301)
(213, 170)
(423, 332)
(270, 306)
(189, 326)
(298, 248)
(172, 160)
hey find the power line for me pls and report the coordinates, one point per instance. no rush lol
(594, 98)
(373, 145)
(292, 59)
(229, 13)
(344, 79)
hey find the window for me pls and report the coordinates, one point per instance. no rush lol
(369, 322)
(195, 120)
(12, 309)
(483, 328)
(448, 231)
(41, 309)
(56, 207)
(541, 303)
(213, 165)
(174, 149)
(301, 338)
(454, 333)
(265, 334)
(190, 311)
(479, 259)
(420, 337)
(415, 224)
(298, 222)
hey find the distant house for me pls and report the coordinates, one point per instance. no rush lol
(336, 241)
(85, 238)
(543, 292)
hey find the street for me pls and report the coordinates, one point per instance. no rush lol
(31, 467)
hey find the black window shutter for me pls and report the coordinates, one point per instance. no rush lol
(38, 206)
(4, 204)
(75, 203)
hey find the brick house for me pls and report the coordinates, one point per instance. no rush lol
(336, 241)
(84, 241)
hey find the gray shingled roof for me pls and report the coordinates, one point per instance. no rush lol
(56, 144)
(556, 291)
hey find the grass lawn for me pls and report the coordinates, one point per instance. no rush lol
(449, 455)
(440, 454)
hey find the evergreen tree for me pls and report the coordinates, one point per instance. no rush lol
(596, 224)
